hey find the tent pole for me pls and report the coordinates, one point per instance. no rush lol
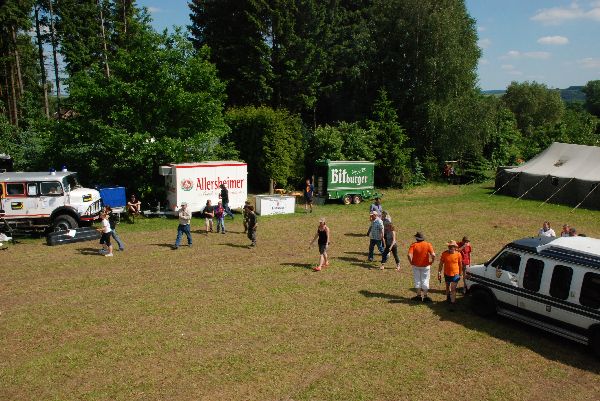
(506, 183)
(526, 192)
(589, 193)
(557, 191)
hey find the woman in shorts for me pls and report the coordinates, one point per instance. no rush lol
(107, 249)
(323, 235)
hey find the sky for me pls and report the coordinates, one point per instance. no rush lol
(554, 42)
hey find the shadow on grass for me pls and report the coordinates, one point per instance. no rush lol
(232, 245)
(548, 345)
(163, 245)
(302, 265)
(356, 235)
(357, 262)
(89, 251)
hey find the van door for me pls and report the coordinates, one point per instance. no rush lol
(531, 281)
(52, 196)
(14, 203)
(503, 274)
(32, 202)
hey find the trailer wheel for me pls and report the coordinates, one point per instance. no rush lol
(483, 303)
(356, 199)
(64, 222)
(347, 199)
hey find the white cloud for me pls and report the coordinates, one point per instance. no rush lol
(507, 67)
(480, 28)
(484, 43)
(553, 40)
(558, 15)
(484, 61)
(154, 10)
(514, 54)
(589, 62)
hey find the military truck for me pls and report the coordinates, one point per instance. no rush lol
(348, 181)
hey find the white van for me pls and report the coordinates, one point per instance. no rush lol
(549, 283)
(31, 201)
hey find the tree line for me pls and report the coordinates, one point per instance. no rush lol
(277, 83)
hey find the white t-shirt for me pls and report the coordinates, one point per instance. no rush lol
(549, 233)
(105, 226)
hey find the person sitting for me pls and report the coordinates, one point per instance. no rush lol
(134, 206)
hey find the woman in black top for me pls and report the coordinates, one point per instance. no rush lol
(324, 240)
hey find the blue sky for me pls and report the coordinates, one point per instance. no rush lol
(555, 42)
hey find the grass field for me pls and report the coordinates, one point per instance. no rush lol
(220, 321)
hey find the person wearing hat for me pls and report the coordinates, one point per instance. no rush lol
(452, 263)
(376, 235)
(421, 256)
(185, 217)
(464, 247)
(225, 200)
(324, 240)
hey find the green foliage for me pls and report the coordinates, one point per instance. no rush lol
(270, 141)
(392, 158)
(345, 141)
(534, 105)
(327, 143)
(504, 147)
(592, 97)
(418, 175)
(474, 168)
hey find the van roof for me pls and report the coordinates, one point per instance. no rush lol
(578, 250)
(33, 176)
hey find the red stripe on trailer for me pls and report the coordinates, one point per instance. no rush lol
(212, 165)
(26, 215)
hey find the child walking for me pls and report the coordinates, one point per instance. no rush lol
(107, 249)
(220, 216)
(324, 240)
(252, 225)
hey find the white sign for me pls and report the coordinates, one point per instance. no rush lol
(268, 205)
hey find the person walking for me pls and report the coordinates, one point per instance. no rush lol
(225, 200)
(452, 264)
(375, 233)
(546, 231)
(421, 256)
(220, 216)
(323, 236)
(107, 248)
(245, 213)
(389, 233)
(113, 220)
(185, 217)
(252, 225)
(209, 214)
(309, 190)
(376, 206)
(465, 250)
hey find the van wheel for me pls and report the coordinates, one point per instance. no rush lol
(356, 199)
(483, 303)
(347, 199)
(594, 340)
(64, 223)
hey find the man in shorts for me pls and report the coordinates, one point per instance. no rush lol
(309, 190)
(209, 214)
(452, 263)
(421, 256)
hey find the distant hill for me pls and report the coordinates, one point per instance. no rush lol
(570, 94)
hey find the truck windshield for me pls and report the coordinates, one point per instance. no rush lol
(71, 182)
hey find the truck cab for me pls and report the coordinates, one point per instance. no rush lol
(39, 200)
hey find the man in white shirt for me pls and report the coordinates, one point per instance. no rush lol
(546, 231)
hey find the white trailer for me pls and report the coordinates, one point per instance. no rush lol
(195, 183)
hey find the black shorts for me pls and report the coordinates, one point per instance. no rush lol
(308, 199)
(105, 239)
(323, 248)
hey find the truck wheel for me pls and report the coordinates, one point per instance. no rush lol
(594, 340)
(64, 222)
(347, 199)
(483, 303)
(356, 199)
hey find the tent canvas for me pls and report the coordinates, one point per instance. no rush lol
(563, 173)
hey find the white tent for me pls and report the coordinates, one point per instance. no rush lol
(563, 173)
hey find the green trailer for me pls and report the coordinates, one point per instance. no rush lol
(348, 181)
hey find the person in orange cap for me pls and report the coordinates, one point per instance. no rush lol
(452, 264)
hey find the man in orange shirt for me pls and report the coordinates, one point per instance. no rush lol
(452, 263)
(421, 256)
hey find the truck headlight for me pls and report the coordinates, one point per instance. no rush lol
(87, 198)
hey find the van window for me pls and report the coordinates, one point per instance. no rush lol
(533, 274)
(508, 261)
(560, 284)
(15, 189)
(51, 188)
(32, 189)
(590, 290)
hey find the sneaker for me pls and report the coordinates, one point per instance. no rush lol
(427, 300)
(190, 245)
(398, 267)
(121, 249)
(448, 298)
(175, 247)
(222, 232)
(317, 268)
(102, 251)
(370, 260)
(109, 254)
(416, 298)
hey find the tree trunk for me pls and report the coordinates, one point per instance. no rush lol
(55, 57)
(103, 33)
(41, 57)
(17, 61)
(13, 102)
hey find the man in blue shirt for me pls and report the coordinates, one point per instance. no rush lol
(376, 207)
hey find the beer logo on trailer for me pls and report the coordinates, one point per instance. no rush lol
(187, 184)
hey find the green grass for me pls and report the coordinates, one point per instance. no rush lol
(223, 322)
